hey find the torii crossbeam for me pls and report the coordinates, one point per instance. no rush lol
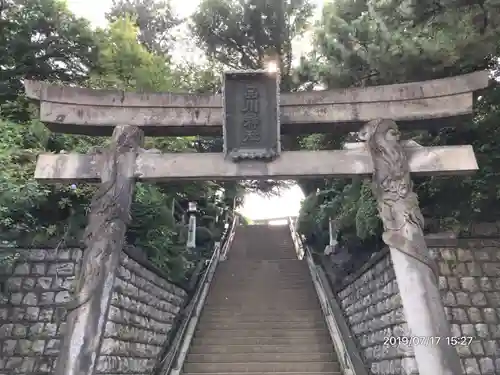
(163, 167)
(415, 105)
(251, 115)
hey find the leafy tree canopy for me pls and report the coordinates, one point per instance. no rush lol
(154, 19)
(365, 43)
(40, 40)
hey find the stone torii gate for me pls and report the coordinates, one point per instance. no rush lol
(251, 115)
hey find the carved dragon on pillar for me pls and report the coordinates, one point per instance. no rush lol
(107, 213)
(393, 188)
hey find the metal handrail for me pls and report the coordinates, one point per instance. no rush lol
(173, 361)
(347, 351)
(230, 236)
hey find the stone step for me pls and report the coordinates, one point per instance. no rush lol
(251, 319)
(283, 257)
(258, 280)
(261, 288)
(269, 250)
(222, 325)
(257, 341)
(262, 315)
(274, 284)
(264, 293)
(251, 303)
(256, 306)
(238, 259)
(245, 296)
(298, 332)
(271, 367)
(242, 316)
(246, 299)
(234, 270)
(256, 310)
(261, 357)
(276, 304)
(263, 283)
(233, 266)
(303, 287)
(312, 318)
(299, 293)
(258, 276)
(259, 310)
(270, 253)
(269, 373)
(246, 349)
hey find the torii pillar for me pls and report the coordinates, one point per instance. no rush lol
(416, 272)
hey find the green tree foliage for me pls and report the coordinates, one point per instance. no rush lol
(364, 43)
(155, 21)
(40, 39)
(31, 212)
(243, 34)
(123, 63)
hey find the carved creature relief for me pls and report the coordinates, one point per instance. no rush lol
(105, 214)
(392, 187)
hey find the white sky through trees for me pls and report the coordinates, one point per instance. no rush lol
(255, 207)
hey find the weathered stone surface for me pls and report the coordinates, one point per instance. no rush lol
(251, 125)
(117, 365)
(53, 168)
(79, 110)
(129, 333)
(32, 323)
(62, 269)
(162, 324)
(474, 314)
(372, 306)
(131, 265)
(27, 332)
(142, 311)
(112, 347)
(138, 287)
(470, 289)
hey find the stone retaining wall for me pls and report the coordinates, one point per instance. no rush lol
(372, 306)
(31, 325)
(143, 307)
(470, 285)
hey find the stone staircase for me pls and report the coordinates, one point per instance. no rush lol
(262, 315)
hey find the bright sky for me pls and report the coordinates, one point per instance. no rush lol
(255, 206)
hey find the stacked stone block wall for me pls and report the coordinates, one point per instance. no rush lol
(143, 308)
(32, 322)
(470, 287)
(372, 306)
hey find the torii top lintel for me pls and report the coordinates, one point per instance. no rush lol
(413, 105)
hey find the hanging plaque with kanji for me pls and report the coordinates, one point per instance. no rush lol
(251, 115)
